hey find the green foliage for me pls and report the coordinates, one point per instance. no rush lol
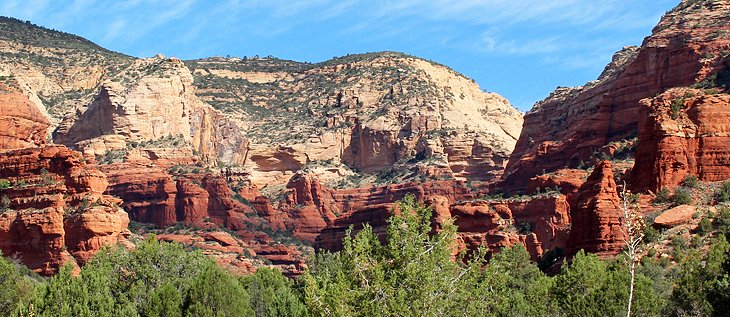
(215, 293)
(721, 221)
(5, 184)
(591, 287)
(15, 287)
(682, 196)
(691, 181)
(722, 194)
(411, 273)
(651, 234)
(4, 203)
(274, 295)
(701, 287)
(676, 106)
(156, 279)
(662, 197)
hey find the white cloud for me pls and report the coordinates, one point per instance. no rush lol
(490, 42)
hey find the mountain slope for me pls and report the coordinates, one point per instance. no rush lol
(689, 45)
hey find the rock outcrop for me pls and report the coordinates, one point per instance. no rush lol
(541, 223)
(153, 196)
(597, 219)
(686, 132)
(21, 124)
(688, 46)
(158, 105)
(310, 207)
(53, 209)
(370, 112)
(675, 216)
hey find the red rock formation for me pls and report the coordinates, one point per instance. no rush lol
(544, 222)
(571, 124)
(93, 229)
(310, 207)
(692, 139)
(54, 210)
(597, 219)
(568, 181)
(22, 124)
(674, 217)
(149, 193)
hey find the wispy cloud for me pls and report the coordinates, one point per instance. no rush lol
(491, 42)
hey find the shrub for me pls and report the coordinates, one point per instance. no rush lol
(691, 181)
(676, 106)
(723, 193)
(650, 234)
(4, 203)
(705, 226)
(722, 220)
(682, 196)
(4, 184)
(662, 197)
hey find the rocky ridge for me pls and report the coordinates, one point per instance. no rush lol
(688, 46)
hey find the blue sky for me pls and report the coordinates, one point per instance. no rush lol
(521, 49)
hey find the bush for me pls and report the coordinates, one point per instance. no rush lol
(155, 279)
(722, 194)
(722, 220)
(662, 197)
(691, 181)
(651, 234)
(682, 196)
(5, 184)
(676, 106)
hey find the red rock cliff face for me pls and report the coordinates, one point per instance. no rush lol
(310, 207)
(151, 195)
(688, 45)
(541, 224)
(55, 201)
(21, 124)
(686, 133)
(597, 220)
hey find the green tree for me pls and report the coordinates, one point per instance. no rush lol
(15, 286)
(272, 294)
(215, 293)
(512, 285)
(155, 279)
(701, 279)
(411, 274)
(592, 287)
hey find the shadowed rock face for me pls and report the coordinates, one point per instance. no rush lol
(686, 132)
(55, 211)
(572, 123)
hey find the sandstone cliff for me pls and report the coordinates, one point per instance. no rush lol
(688, 46)
(685, 133)
(54, 210)
(22, 125)
(368, 112)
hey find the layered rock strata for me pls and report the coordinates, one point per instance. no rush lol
(686, 132)
(689, 45)
(54, 209)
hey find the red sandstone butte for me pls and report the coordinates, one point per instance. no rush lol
(692, 139)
